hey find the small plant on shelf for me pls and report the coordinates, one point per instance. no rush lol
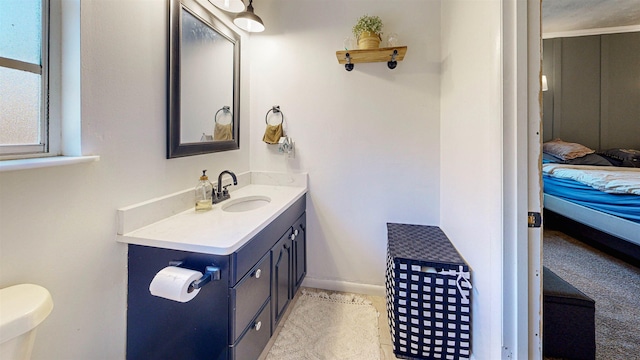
(367, 31)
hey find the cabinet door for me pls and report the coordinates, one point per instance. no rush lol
(281, 273)
(158, 328)
(299, 241)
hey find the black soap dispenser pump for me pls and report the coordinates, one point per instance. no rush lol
(204, 191)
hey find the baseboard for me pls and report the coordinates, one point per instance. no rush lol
(344, 286)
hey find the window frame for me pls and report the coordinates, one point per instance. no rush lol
(49, 144)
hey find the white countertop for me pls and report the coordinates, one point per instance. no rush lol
(217, 231)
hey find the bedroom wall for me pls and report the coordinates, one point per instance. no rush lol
(594, 96)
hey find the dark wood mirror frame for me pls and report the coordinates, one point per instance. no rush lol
(175, 148)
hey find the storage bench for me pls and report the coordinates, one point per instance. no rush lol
(428, 294)
(568, 320)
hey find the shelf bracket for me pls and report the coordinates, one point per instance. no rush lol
(393, 63)
(348, 66)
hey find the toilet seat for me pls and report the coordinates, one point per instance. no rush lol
(22, 308)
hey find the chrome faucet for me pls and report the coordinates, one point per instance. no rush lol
(222, 194)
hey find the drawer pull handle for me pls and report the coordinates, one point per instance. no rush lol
(292, 237)
(295, 232)
(258, 273)
(257, 325)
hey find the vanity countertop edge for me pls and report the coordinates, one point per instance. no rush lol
(216, 231)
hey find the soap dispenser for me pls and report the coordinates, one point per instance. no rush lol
(203, 193)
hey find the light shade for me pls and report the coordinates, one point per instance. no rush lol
(249, 21)
(545, 87)
(234, 6)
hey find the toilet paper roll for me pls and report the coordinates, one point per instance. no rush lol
(173, 283)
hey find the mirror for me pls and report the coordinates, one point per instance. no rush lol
(204, 82)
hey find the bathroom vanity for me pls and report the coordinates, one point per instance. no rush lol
(260, 267)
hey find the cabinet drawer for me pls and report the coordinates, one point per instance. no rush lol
(255, 338)
(248, 295)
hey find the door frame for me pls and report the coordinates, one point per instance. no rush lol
(522, 144)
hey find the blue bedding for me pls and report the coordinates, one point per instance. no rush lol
(626, 206)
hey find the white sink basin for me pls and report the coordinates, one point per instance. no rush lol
(246, 203)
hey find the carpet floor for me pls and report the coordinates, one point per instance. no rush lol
(612, 283)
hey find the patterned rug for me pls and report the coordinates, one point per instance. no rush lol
(328, 326)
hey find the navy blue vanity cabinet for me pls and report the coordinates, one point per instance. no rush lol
(288, 267)
(281, 267)
(158, 328)
(231, 318)
(248, 296)
(256, 337)
(299, 243)
(249, 302)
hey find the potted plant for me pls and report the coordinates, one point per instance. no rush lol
(367, 31)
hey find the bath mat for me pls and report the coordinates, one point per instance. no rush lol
(328, 327)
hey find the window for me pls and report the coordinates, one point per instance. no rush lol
(24, 100)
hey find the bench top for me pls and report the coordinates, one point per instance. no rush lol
(556, 288)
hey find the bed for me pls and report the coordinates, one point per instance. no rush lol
(599, 190)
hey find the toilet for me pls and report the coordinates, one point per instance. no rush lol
(22, 308)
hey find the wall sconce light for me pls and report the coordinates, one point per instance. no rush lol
(249, 21)
(233, 6)
(544, 83)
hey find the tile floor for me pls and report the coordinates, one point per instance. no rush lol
(386, 347)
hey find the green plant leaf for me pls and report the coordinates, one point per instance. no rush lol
(368, 23)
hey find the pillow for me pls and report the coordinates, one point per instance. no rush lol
(548, 158)
(589, 159)
(565, 150)
(622, 157)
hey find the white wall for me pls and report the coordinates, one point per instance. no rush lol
(58, 225)
(471, 156)
(369, 138)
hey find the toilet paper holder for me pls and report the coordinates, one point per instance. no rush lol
(211, 273)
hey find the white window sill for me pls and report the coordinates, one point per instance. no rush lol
(24, 164)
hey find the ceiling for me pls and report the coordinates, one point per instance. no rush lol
(575, 15)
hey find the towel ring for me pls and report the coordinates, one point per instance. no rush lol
(276, 110)
(225, 110)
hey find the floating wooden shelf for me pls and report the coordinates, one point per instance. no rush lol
(389, 54)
